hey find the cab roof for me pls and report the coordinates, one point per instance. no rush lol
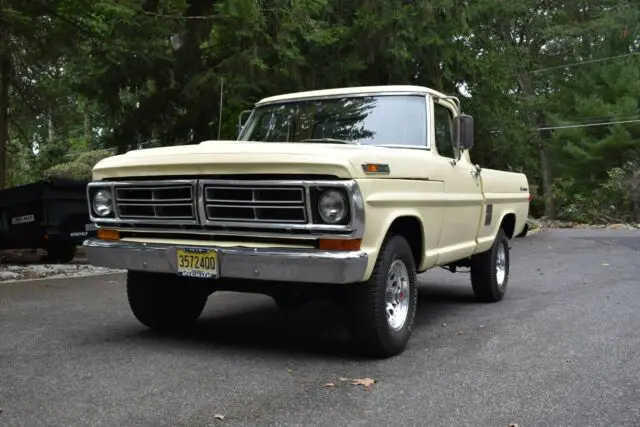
(346, 91)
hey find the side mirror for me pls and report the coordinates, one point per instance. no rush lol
(241, 121)
(464, 128)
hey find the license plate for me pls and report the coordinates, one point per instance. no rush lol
(197, 262)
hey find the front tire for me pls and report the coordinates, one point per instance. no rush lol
(381, 312)
(490, 270)
(290, 300)
(164, 302)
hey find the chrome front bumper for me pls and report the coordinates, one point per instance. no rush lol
(287, 265)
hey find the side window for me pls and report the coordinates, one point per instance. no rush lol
(443, 130)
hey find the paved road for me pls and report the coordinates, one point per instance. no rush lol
(562, 349)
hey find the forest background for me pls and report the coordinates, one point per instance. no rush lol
(554, 86)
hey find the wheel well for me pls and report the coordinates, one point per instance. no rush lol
(410, 228)
(509, 224)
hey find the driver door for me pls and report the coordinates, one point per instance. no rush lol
(463, 198)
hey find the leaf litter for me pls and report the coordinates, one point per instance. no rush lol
(365, 382)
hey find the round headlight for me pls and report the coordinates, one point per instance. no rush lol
(102, 203)
(332, 206)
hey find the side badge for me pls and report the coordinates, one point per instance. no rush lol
(376, 168)
(488, 215)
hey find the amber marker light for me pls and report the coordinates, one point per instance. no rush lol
(106, 234)
(375, 168)
(339, 245)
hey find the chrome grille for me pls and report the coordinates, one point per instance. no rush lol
(156, 202)
(226, 203)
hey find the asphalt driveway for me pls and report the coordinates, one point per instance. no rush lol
(562, 349)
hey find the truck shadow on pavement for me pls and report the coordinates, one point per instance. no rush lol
(316, 329)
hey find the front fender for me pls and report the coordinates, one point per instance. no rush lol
(387, 200)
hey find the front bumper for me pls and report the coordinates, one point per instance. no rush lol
(273, 264)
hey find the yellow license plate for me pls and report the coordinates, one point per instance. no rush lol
(197, 262)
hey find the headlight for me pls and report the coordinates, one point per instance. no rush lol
(103, 203)
(332, 206)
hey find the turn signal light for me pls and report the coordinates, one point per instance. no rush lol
(340, 245)
(106, 234)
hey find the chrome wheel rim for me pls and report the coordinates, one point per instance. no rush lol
(397, 295)
(501, 265)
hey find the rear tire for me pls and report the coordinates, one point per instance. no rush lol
(165, 302)
(381, 312)
(67, 253)
(524, 231)
(61, 252)
(490, 270)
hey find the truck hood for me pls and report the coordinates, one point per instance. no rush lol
(240, 157)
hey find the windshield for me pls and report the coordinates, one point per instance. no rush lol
(371, 120)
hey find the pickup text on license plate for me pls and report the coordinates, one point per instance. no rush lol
(197, 262)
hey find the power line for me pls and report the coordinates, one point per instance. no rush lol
(589, 125)
(609, 117)
(589, 61)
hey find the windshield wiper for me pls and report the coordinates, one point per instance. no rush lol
(339, 141)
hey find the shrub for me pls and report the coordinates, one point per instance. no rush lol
(615, 200)
(80, 168)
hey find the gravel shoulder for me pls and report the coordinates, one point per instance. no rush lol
(28, 265)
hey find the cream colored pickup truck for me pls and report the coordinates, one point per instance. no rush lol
(342, 193)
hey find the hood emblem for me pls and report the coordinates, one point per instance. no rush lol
(376, 168)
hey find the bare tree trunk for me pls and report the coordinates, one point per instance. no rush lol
(526, 84)
(88, 130)
(5, 78)
(51, 133)
(547, 181)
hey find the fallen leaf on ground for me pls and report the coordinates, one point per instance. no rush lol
(444, 324)
(482, 326)
(329, 385)
(218, 417)
(605, 264)
(367, 382)
(459, 332)
(343, 379)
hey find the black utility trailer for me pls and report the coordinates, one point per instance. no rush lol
(51, 214)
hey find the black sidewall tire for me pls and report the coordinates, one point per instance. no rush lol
(61, 252)
(368, 325)
(483, 271)
(504, 241)
(164, 302)
(290, 300)
(524, 231)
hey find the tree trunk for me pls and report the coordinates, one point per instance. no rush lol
(50, 130)
(5, 77)
(526, 83)
(88, 131)
(547, 181)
